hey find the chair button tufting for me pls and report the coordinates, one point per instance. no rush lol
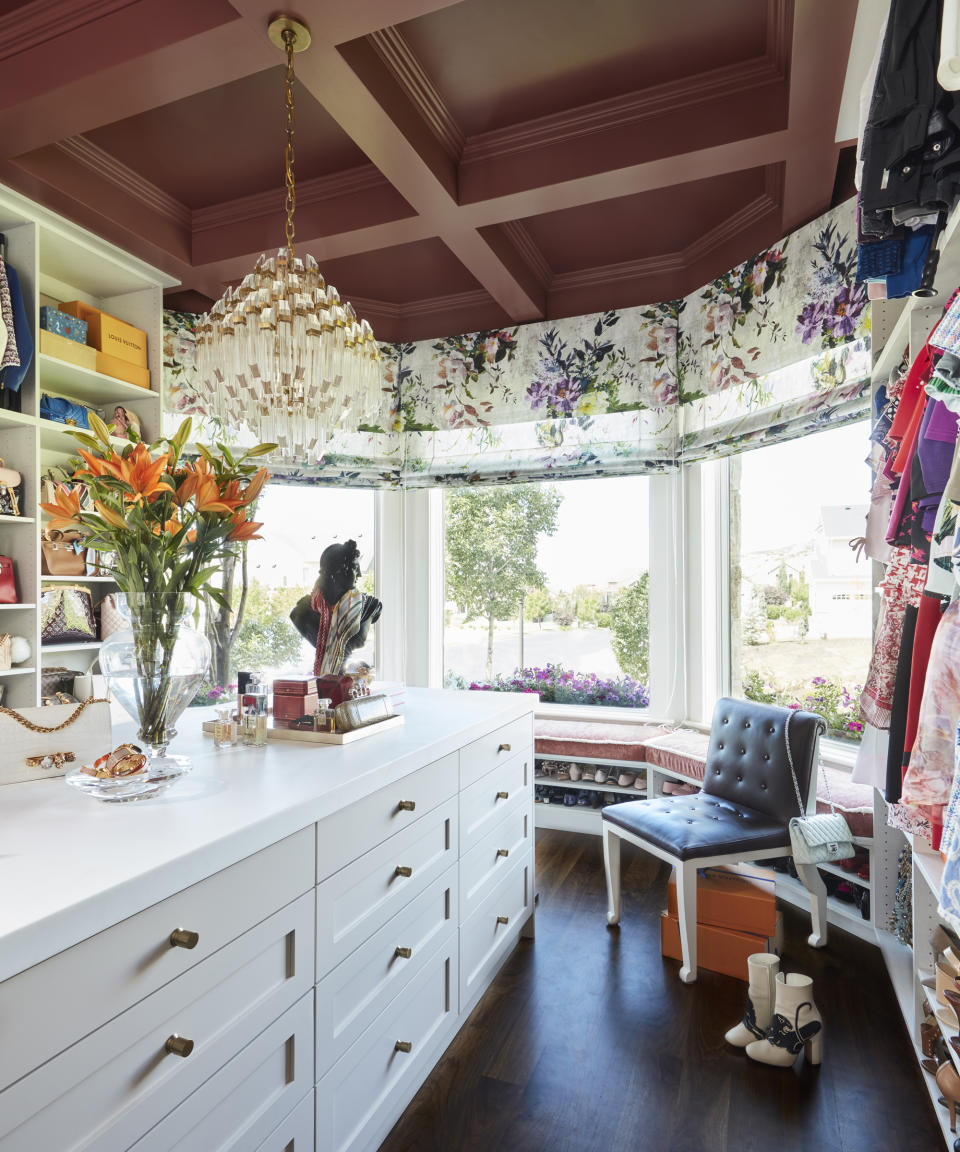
(746, 723)
(740, 778)
(719, 745)
(771, 729)
(717, 772)
(766, 755)
(763, 787)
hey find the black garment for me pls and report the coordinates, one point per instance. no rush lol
(898, 710)
(911, 147)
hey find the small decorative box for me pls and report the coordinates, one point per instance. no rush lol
(53, 320)
(289, 707)
(301, 686)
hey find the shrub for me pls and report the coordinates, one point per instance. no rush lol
(556, 685)
(836, 703)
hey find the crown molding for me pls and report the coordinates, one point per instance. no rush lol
(621, 111)
(346, 183)
(44, 20)
(778, 32)
(83, 151)
(428, 306)
(519, 236)
(750, 214)
(403, 65)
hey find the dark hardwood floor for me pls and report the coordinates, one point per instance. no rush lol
(588, 1041)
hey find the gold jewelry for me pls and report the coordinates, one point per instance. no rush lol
(51, 760)
(57, 727)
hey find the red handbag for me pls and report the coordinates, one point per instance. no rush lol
(8, 587)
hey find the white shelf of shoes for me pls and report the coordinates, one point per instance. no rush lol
(568, 818)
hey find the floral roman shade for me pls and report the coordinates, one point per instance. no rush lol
(776, 348)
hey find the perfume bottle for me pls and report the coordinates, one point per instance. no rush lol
(253, 707)
(323, 721)
(225, 733)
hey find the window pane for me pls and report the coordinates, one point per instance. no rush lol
(801, 600)
(547, 588)
(298, 523)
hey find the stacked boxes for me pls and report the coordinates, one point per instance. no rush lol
(736, 917)
(121, 349)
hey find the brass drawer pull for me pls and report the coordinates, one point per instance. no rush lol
(503, 748)
(503, 851)
(407, 805)
(403, 1046)
(503, 795)
(403, 953)
(183, 938)
(503, 919)
(178, 1045)
(403, 870)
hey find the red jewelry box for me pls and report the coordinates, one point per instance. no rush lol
(302, 686)
(336, 689)
(290, 707)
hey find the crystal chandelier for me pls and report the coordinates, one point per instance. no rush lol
(281, 353)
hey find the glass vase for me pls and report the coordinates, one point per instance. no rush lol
(154, 669)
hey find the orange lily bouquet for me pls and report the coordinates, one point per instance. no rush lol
(169, 523)
(167, 520)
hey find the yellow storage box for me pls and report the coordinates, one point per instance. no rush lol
(109, 335)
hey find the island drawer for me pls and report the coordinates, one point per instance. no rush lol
(485, 754)
(359, 899)
(493, 928)
(484, 804)
(53, 1004)
(348, 834)
(106, 1091)
(489, 860)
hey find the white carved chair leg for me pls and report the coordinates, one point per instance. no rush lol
(687, 909)
(813, 882)
(611, 866)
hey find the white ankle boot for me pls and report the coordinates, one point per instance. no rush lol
(762, 970)
(796, 1024)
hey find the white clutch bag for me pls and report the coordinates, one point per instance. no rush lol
(42, 743)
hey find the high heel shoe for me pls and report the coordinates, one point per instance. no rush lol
(796, 1024)
(949, 1084)
(762, 969)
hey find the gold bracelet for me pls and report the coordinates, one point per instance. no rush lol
(51, 760)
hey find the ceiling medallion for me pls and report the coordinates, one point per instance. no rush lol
(280, 353)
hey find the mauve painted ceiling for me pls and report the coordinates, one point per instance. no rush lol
(498, 62)
(646, 224)
(174, 147)
(459, 164)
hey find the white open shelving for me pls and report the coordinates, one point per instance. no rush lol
(57, 261)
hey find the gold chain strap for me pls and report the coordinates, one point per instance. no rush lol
(289, 36)
(39, 727)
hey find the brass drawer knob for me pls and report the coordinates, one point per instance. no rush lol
(503, 748)
(503, 795)
(407, 805)
(403, 870)
(503, 919)
(503, 851)
(403, 1046)
(403, 953)
(183, 938)
(178, 1045)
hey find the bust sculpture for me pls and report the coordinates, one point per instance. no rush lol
(336, 617)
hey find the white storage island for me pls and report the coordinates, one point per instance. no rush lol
(274, 953)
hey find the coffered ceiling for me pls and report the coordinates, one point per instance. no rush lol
(460, 163)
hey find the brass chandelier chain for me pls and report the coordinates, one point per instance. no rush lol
(289, 36)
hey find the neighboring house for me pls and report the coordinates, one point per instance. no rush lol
(840, 584)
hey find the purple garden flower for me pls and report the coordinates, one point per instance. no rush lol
(845, 308)
(810, 321)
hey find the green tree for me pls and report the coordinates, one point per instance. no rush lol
(491, 543)
(537, 604)
(630, 624)
(588, 605)
(267, 639)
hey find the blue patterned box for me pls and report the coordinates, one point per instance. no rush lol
(53, 320)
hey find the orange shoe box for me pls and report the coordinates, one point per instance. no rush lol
(738, 897)
(719, 949)
(123, 370)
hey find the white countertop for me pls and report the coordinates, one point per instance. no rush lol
(71, 865)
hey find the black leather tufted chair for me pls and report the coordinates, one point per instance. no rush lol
(742, 813)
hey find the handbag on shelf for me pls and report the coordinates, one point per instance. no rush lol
(54, 680)
(99, 563)
(44, 743)
(66, 615)
(63, 411)
(111, 611)
(6, 652)
(56, 474)
(8, 585)
(820, 838)
(62, 554)
(11, 491)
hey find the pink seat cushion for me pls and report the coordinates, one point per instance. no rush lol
(593, 741)
(853, 801)
(683, 751)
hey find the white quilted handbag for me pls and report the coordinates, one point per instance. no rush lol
(30, 736)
